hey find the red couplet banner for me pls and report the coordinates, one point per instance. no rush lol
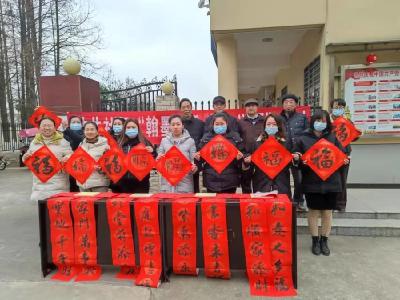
(154, 124)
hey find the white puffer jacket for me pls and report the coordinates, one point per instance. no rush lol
(59, 183)
(96, 150)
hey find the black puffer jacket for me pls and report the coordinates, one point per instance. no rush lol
(295, 124)
(74, 137)
(233, 123)
(311, 183)
(262, 183)
(195, 127)
(129, 183)
(230, 177)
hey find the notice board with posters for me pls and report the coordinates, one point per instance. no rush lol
(372, 94)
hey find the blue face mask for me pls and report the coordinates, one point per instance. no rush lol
(220, 129)
(75, 126)
(337, 112)
(132, 132)
(117, 128)
(271, 130)
(319, 126)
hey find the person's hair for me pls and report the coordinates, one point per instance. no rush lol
(111, 131)
(290, 96)
(174, 117)
(319, 115)
(185, 100)
(124, 138)
(91, 123)
(74, 117)
(46, 118)
(339, 101)
(281, 130)
(222, 116)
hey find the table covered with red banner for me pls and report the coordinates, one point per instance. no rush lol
(148, 237)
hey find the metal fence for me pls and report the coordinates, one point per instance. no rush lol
(9, 139)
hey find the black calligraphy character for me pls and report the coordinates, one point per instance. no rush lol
(66, 270)
(272, 160)
(322, 159)
(259, 268)
(184, 268)
(184, 250)
(341, 132)
(113, 164)
(218, 152)
(84, 258)
(148, 231)
(214, 231)
(145, 216)
(62, 258)
(253, 230)
(277, 248)
(276, 208)
(84, 221)
(280, 284)
(118, 218)
(184, 233)
(278, 265)
(79, 165)
(183, 214)
(278, 230)
(173, 165)
(150, 268)
(252, 210)
(89, 270)
(217, 267)
(61, 241)
(216, 252)
(85, 243)
(261, 284)
(149, 249)
(214, 211)
(60, 223)
(123, 253)
(58, 206)
(47, 168)
(121, 234)
(257, 249)
(83, 207)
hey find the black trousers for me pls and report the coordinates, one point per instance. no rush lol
(246, 184)
(228, 191)
(196, 182)
(298, 196)
(341, 200)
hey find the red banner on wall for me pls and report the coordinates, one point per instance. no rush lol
(146, 218)
(215, 238)
(184, 236)
(62, 238)
(154, 124)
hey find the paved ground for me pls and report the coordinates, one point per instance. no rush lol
(359, 268)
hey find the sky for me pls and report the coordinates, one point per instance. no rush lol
(148, 38)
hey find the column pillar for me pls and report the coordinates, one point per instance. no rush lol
(227, 67)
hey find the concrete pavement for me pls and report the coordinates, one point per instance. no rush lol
(359, 267)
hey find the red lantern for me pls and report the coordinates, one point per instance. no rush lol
(371, 58)
(219, 153)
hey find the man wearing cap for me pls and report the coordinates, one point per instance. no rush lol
(295, 123)
(219, 105)
(195, 127)
(250, 128)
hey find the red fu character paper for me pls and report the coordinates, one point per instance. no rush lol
(139, 161)
(85, 238)
(219, 153)
(173, 166)
(184, 236)
(271, 157)
(80, 165)
(43, 164)
(215, 238)
(146, 217)
(324, 158)
(62, 238)
(112, 163)
(345, 131)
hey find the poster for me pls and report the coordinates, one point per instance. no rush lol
(373, 99)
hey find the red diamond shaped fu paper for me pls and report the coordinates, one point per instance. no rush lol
(41, 112)
(139, 161)
(271, 157)
(345, 131)
(112, 163)
(173, 166)
(43, 163)
(80, 165)
(219, 153)
(324, 158)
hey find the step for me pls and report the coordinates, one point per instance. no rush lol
(359, 215)
(358, 227)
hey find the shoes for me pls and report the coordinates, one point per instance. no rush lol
(324, 246)
(316, 247)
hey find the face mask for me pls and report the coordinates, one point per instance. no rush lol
(271, 130)
(319, 126)
(338, 112)
(220, 129)
(132, 132)
(75, 126)
(117, 128)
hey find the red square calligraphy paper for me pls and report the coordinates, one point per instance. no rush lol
(80, 165)
(345, 131)
(112, 163)
(43, 164)
(139, 161)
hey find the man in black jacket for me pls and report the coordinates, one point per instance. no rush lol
(295, 124)
(196, 131)
(250, 128)
(219, 105)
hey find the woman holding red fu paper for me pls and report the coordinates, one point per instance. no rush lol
(320, 194)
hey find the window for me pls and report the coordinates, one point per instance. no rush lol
(312, 83)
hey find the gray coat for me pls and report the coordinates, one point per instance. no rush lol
(188, 148)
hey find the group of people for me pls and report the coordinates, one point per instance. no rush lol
(189, 134)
